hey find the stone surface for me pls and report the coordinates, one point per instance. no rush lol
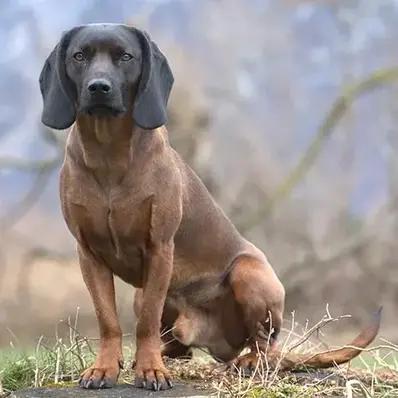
(120, 391)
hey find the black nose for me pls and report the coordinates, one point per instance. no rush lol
(99, 86)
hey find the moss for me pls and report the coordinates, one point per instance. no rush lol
(281, 391)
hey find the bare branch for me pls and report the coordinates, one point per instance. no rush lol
(337, 111)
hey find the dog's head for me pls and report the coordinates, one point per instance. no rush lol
(105, 70)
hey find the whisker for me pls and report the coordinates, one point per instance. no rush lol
(165, 331)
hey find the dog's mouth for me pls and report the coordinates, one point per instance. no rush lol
(103, 110)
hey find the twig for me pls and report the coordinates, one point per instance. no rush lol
(322, 323)
(56, 375)
(37, 371)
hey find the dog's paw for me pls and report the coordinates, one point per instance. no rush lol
(98, 377)
(246, 365)
(153, 378)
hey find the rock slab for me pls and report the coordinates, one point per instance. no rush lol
(120, 391)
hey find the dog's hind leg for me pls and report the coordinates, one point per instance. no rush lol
(170, 346)
(260, 296)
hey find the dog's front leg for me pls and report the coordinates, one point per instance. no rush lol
(150, 370)
(99, 280)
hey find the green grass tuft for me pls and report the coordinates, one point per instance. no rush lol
(51, 363)
(18, 371)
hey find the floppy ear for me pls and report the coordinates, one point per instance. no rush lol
(149, 110)
(59, 110)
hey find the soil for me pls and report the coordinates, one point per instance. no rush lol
(120, 391)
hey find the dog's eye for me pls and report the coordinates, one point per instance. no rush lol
(126, 57)
(78, 56)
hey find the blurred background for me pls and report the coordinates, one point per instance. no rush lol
(287, 110)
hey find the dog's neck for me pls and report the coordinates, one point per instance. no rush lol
(106, 145)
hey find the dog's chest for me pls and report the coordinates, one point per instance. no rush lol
(115, 226)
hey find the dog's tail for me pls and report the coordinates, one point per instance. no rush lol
(329, 358)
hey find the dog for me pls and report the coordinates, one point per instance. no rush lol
(139, 212)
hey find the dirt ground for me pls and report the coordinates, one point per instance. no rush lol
(121, 391)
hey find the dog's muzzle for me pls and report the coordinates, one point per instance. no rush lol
(100, 99)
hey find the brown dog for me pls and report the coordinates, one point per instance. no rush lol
(139, 212)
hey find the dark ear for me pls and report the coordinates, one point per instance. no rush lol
(149, 110)
(59, 110)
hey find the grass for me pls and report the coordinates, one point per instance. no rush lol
(59, 362)
(55, 363)
(17, 371)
